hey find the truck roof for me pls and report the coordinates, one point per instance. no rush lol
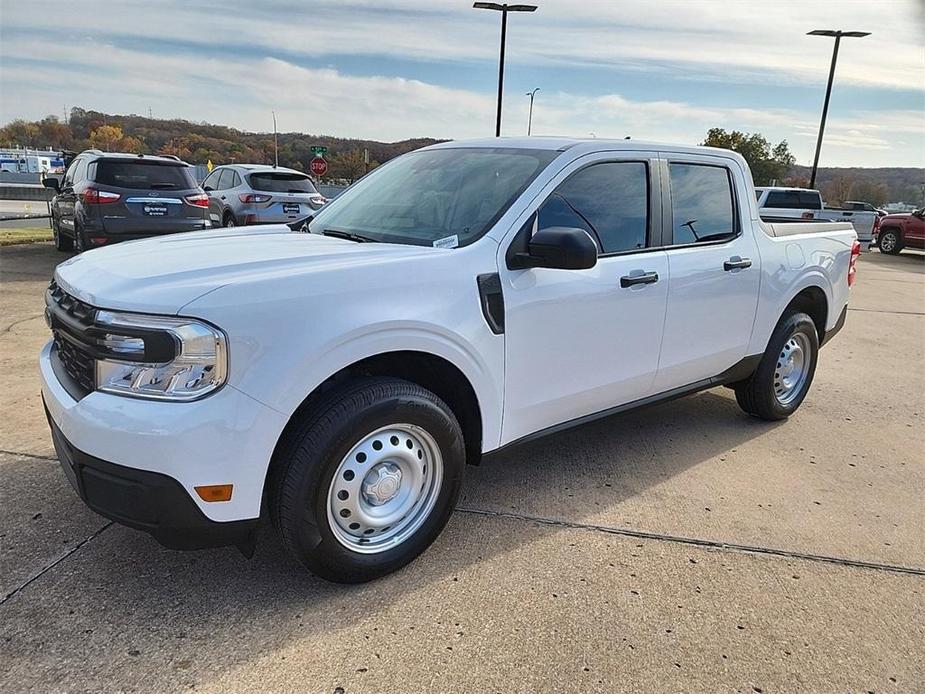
(586, 144)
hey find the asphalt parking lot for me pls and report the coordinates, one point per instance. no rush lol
(685, 547)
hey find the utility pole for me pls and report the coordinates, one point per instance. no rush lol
(837, 35)
(530, 117)
(503, 9)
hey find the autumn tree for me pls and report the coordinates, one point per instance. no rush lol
(110, 138)
(769, 163)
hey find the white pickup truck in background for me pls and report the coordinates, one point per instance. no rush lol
(457, 300)
(782, 204)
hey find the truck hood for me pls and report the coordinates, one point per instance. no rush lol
(161, 275)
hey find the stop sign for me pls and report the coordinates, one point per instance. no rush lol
(318, 167)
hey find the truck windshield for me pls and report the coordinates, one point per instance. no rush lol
(441, 197)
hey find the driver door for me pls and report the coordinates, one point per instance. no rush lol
(580, 342)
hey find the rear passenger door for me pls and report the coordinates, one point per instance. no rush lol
(713, 270)
(578, 342)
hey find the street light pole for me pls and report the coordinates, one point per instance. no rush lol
(503, 9)
(275, 143)
(530, 117)
(837, 35)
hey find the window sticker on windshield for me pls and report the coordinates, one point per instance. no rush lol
(447, 242)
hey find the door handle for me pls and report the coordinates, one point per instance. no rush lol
(632, 280)
(736, 263)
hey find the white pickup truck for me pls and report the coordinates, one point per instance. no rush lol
(784, 204)
(456, 301)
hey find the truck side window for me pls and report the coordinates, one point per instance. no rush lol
(610, 201)
(701, 203)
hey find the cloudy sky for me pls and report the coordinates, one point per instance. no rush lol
(387, 70)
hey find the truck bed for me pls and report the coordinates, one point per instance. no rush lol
(803, 226)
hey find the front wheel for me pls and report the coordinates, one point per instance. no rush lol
(889, 242)
(62, 242)
(367, 481)
(785, 373)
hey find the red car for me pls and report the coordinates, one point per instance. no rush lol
(899, 231)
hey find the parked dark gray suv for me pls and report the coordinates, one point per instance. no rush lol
(106, 198)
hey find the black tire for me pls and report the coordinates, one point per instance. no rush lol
(62, 243)
(889, 241)
(311, 454)
(228, 220)
(758, 394)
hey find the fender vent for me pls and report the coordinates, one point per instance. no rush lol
(492, 300)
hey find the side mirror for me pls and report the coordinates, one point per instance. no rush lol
(561, 248)
(208, 189)
(52, 183)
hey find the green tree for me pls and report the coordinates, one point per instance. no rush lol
(349, 165)
(768, 163)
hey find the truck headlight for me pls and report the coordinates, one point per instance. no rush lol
(159, 357)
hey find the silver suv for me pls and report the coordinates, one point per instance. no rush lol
(259, 194)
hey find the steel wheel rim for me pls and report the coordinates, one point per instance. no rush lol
(792, 369)
(385, 488)
(888, 242)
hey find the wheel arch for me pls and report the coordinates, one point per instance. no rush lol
(435, 373)
(813, 301)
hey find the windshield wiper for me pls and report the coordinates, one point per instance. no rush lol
(349, 235)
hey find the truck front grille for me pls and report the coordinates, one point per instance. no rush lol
(72, 353)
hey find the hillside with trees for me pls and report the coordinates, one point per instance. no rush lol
(198, 143)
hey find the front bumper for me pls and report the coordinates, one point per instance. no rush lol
(148, 501)
(155, 453)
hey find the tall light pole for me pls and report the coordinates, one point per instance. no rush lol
(503, 9)
(837, 35)
(275, 143)
(530, 117)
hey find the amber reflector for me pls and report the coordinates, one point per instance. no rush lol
(215, 492)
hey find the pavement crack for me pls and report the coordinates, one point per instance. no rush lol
(15, 323)
(29, 455)
(57, 561)
(877, 310)
(698, 542)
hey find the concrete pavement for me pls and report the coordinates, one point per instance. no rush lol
(685, 547)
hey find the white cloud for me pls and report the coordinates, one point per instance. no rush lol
(702, 40)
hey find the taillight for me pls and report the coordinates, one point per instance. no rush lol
(199, 200)
(253, 197)
(853, 263)
(93, 196)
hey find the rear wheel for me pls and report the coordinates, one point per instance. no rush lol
(228, 221)
(62, 242)
(368, 479)
(782, 379)
(889, 242)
